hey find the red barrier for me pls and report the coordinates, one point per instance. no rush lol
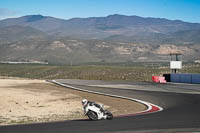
(155, 79)
(158, 79)
(162, 80)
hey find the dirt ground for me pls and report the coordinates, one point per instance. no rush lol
(30, 101)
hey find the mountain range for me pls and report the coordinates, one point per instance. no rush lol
(117, 37)
(102, 27)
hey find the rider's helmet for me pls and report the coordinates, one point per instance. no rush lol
(84, 102)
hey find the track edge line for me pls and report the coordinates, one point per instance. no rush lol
(150, 107)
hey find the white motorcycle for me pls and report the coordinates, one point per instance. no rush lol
(94, 112)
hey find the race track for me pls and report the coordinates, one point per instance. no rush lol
(181, 112)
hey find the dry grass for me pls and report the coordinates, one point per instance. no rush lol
(30, 101)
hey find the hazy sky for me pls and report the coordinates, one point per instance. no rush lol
(187, 10)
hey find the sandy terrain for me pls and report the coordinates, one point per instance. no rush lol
(29, 101)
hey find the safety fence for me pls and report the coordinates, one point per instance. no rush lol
(183, 78)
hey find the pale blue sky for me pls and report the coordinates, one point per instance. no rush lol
(186, 10)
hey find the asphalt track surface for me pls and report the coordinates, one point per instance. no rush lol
(181, 112)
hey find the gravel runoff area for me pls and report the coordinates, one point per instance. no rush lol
(25, 101)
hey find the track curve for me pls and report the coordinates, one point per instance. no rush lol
(181, 105)
(151, 108)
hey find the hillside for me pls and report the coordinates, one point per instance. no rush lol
(118, 38)
(71, 51)
(101, 27)
(14, 33)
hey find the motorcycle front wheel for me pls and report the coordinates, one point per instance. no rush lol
(92, 115)
(109, 115)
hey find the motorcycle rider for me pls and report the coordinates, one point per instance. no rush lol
(86, 103)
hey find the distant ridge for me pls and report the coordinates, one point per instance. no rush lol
(115, 38)
(101, 27)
